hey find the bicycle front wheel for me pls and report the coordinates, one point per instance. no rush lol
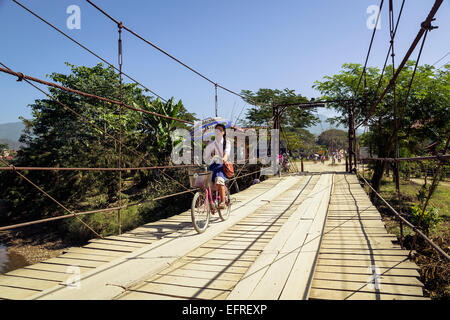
(200, 211)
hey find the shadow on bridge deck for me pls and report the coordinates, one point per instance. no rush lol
(304, 236)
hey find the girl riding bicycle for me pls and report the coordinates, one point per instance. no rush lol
(221, 149)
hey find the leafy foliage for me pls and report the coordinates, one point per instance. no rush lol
(56, 136)
(423, 118)
(333, 139)
(266, 98)
(426, 220)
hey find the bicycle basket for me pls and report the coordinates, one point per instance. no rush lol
(199, 179)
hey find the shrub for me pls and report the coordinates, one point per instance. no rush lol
(103, 223)
(428, 220)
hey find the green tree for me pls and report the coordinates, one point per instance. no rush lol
(262, 113)
(333, 139)
(56, 136)
(424, 118)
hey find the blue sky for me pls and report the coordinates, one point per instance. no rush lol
(246, 44)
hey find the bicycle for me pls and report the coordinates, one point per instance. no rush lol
(203, 203)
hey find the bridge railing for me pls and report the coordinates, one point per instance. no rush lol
(440, 158)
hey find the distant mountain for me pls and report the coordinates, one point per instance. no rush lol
(323, 125)
(10, 134)
(13, 145)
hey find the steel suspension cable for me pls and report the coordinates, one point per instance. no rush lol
(426, 25)
(388, 53)
(370, 47)
(50, 197)
(415, 69)
(396, 118)
(87, 49)
(107, 210)
(120, 61)
(164, 52)
(78, 92)
(390, 47)
(184, 166)
(440, 59)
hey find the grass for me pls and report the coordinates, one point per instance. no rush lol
(105, 223)
(409, 191)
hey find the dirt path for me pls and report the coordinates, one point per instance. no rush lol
(310, 166)
(430, 180)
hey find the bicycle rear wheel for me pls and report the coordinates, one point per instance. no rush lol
(224, 214)
(200, 211)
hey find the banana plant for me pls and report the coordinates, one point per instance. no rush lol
(157, 130)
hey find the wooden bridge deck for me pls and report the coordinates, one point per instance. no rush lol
(356, 248)
(299, 237)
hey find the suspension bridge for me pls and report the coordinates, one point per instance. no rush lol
(304, 236)
(309, 234)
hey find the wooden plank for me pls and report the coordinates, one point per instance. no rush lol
(367, 263)
(365, 270)
(109, 247)
(206, 269)
(235, 246)
(26, 283)
(356, 225)
(130, 238)
(396, 289)
(13, 293)
(274, 278)
(361, 219)
(55, 267)
(298, 282)
(361, 246)
(255, 229)
(364, 252)
(202, 274)
(412, 281)
(247, 234)
(331, 236)
(379, 241)
(135, 295)
(356, 232)
(218, 268)
(221, 239)
(245, 289)
(185, 292)
(128, 245)
(317, 293)
(242, 239)
(362, 258)
(194, 282)
(220, 262)
(37, 274)
(91, 257)
(95, 251)
(208, 252)
(214, 255)
(75, 262)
